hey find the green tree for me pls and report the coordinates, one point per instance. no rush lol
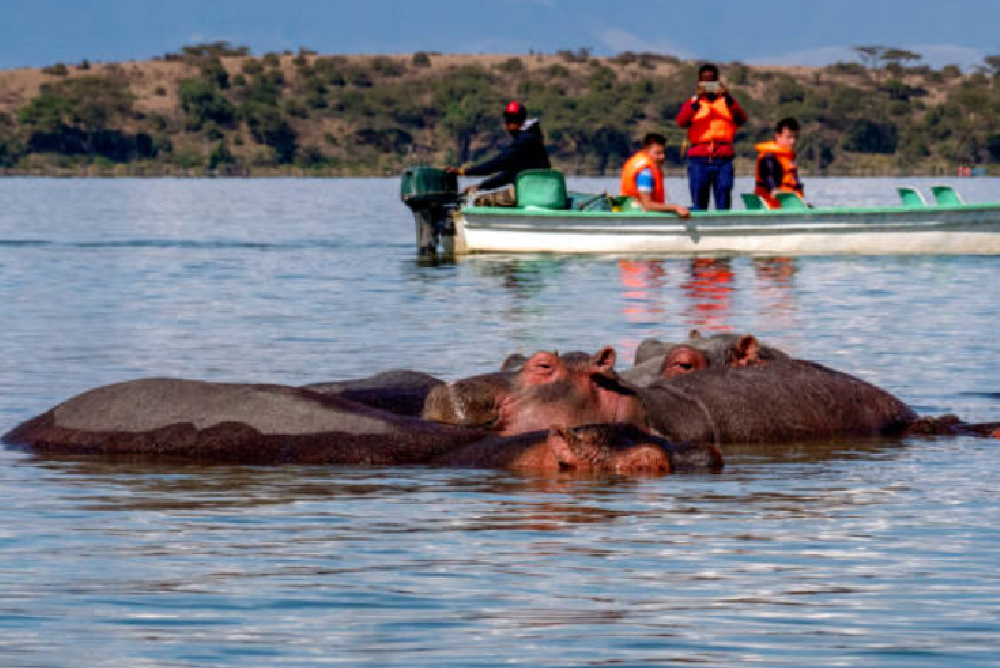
(268, 127)
(81, 116)
(203, 102)
(866, 136)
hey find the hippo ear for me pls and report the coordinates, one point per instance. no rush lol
(514, 362)
(747, 351)
(562, 442)
(604, 361)
(503, 413)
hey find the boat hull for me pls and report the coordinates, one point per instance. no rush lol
(958, 230)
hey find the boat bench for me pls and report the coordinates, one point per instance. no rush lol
(943, 195)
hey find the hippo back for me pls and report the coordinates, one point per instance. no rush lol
(780, 402)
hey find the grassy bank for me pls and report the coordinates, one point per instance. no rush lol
(219, 110)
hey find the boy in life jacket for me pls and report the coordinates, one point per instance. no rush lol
(711, 117)
(642, 177)
(776, 168)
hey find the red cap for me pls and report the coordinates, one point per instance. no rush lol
(515, 112)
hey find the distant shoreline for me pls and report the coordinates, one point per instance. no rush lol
(218, 111)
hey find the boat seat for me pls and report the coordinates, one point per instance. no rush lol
(790, 201)
(947, 195)
(752, 202)
(911, 196)
(541, 189)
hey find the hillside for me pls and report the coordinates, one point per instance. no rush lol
(218, 109)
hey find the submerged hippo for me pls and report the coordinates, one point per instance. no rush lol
(607, 448)
(548, 389)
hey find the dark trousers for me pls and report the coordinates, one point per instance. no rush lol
(710, 176)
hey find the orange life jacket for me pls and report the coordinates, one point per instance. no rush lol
(789, 172)
(630, 171)
(712, 123)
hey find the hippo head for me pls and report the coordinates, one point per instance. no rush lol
(472, 402)
(627, 450)
(717, 351)
(548, 389)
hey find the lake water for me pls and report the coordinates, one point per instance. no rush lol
(857, 554)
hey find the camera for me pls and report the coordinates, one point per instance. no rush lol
(710, 86)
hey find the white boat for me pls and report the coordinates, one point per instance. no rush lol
(948, 226)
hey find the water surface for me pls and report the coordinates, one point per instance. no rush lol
(854, 554)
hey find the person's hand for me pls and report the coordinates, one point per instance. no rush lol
(454, 170)
(470, 190)
(723, 91)
(683, 211)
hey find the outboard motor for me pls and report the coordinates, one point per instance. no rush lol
(432, 195)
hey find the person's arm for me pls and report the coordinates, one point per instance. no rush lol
(769, 173)
(496, 181)
(687, 112)
(739, 116)
(646, 200)
(501, 163)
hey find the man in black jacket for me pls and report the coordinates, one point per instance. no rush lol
(526, 151)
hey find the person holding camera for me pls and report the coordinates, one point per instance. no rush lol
(711, 117)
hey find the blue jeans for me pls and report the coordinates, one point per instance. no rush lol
(713, 177)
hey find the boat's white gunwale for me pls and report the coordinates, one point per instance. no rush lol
(958, 229)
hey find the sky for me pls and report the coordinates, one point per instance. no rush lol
(43, 32)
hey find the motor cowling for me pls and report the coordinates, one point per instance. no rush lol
(431, 194)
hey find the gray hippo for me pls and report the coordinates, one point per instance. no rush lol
(655, 359)
(399, 391)
(247, 423)
(785, 401)
(779, 402)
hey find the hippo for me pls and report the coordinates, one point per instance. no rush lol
(398, 391)
(779, 402)
(607, 448)
(189, 420)
(238, 422)
(548, 389)
(655, 359)
(730, 388)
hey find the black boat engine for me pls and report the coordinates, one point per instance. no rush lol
(432, 195)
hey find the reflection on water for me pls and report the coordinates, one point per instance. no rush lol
(775, 290)
(661, 294)
(643, 283)
(709, 287)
